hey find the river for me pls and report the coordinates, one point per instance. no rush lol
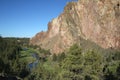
(34, 64)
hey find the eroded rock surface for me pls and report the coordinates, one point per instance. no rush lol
(96, 20)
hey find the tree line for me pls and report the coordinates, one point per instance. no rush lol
(9, 59)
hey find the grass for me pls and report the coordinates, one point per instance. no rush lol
(26, 55)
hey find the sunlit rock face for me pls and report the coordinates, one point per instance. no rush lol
(95, 20)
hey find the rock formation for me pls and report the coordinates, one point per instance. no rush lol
(95, 20)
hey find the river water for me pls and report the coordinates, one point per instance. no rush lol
(34, 64)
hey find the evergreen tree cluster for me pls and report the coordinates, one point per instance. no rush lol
(9, 59)
(78, 65)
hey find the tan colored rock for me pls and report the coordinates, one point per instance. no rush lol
(96, 20)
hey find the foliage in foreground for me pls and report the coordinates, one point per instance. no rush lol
(10, 64)
(78, 65)
(75, 64)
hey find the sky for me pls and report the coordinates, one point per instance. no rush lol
(25, 18)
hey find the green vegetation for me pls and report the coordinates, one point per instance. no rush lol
(26, 55)
(75, 64)
(10, 64)
(78, 64)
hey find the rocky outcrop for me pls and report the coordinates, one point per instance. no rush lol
(95, 20)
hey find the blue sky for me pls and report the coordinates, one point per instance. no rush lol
(25, 18)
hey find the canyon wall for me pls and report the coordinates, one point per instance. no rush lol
(94, 20)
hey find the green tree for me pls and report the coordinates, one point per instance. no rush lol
(72, 65)
(61, 57)
(118, 72)
(54, 57)
(80, 65)
(41, 73)
(93, 65)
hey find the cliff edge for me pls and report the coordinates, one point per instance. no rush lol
(94, 20)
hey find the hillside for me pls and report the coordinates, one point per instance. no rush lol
(93, 20)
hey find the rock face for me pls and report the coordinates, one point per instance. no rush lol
(95, 20)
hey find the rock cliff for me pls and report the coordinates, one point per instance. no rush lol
(94, 20)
